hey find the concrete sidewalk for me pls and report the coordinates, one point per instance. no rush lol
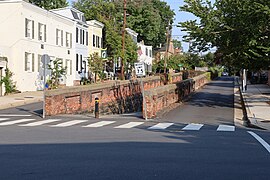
(20, 99)
(257, 102)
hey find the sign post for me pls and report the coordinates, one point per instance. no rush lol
(140, 71)
(45, 59)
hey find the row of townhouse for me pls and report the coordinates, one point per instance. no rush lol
(27, 32)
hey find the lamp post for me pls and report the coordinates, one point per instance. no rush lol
(123, 40)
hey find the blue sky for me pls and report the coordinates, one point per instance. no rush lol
(179, 17)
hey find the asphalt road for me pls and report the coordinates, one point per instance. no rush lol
(53, 151)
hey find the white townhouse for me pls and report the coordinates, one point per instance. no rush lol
(27, 32)
(145, 53)
(95, 36)
(80, 32)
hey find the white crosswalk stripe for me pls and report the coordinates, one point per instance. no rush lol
(161, 126)
(15, 115)
(225, 128)
(129, 125)
(69, 123)
(193, 127)
(4, 119)
(100, 124)
(15, 122)
(38, 123)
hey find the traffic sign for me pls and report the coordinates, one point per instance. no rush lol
(139, 69)
(104, 53)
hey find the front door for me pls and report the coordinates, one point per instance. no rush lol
(1, 78)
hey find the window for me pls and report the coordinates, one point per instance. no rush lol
(42, 32)
(68, 40)
(146, 51)
(77, 35)
(77, 62)
(58, 36)
(94, 40)
(29, 28)
(69, 66)
(150, 53)
(29, 62)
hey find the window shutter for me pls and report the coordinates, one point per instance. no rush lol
(70, 67)
(66, 39)
(86, 38)
(56, 36)
(70, 40)
(33, 31)
(45, 35)
(33, 62)
(77, 62)
(77, 35)
(25, 61)
(94, 40)
(62, 38)
(26, 22)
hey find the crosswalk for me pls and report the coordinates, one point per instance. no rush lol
(114, 124)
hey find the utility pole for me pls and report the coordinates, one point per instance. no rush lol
(167, 48)
(123, 40)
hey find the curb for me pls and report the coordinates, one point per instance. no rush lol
(20, 103)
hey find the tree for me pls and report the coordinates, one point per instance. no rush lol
(50, 4)
(96, 65)
(57, 71)
(238, 29)
(177, 44)
(10, 86)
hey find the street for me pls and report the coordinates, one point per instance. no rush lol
(197, 140)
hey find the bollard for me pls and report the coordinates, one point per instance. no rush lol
(96, 107)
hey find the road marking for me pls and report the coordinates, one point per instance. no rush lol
(161, 126)
(15, 122)
(225, 128)
(258, 138)
(40, 122)
(69, 123)
(15, 115)
(100, 124)
(129, 125)
(193, 127)
(3, 119)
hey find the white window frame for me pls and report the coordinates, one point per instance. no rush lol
(69, 66)
(29, 61)
(29, 28)
(68, 40)
(42, 32)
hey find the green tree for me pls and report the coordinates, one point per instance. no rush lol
(10, 86)
(96, 65)
(50, 4)
(57, 71)
(177, 44)
(238, 29)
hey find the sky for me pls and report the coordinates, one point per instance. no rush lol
(179, 17)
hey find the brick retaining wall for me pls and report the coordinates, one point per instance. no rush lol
(161, 97)
(115, 96)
